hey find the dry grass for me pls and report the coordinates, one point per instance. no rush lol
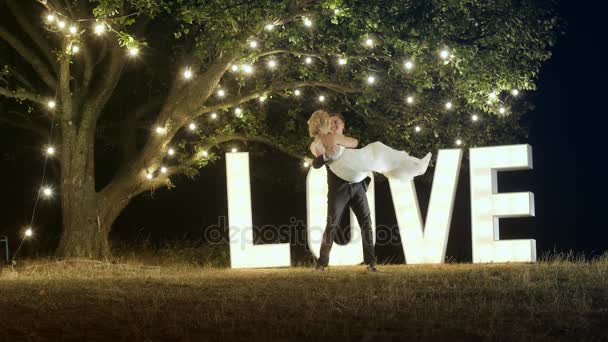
(562, 298)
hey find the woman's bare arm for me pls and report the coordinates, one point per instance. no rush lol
(316, 148)
(346, 141)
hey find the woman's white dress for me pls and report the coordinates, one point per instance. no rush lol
(353, 165)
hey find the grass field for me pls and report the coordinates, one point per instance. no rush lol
(559, 299)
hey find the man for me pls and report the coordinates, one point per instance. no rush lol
(341, 195)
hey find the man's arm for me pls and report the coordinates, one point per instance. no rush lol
(322, 159)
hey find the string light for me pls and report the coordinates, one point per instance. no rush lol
(342, 61)
(187, 74)
(234, 150)
(171, 152)
(502, 110)
(221, 93)
(448, 105)
(192, 126)
(214, 116)
(50, 18)
(205, 153)
(235, 68)
(51, 104)
(133, 51)
(61, 24)
(50, 150)
(410, 99)
(238, 112)
(269, 27)
(474, 117)
(369, 42)
(248, 69)
(321, 98)
(75, 49)
(163, 169)
(297, 92)
(47, 192)
(160, 130)
(28, 232)
(493, 96)
(149, 176)
(100, 29)
(305, 164)
(73, 29)
(444, 54)
(409, 65)
(417, 129)
(307, 22)
(308, 60)
(371, 79)
(514, 92)
(253, 44)
(262, 98)
(458, 142)
(272, 64)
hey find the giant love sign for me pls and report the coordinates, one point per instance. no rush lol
(422, 243)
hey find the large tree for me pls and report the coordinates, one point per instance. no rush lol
(170, 84)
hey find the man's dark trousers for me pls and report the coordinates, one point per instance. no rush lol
(342, 195)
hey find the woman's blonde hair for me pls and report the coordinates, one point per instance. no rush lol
(319, 123)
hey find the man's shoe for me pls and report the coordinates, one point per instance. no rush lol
(372, 268)
(320, 268)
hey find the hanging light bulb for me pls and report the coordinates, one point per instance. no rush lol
(502, 110)
(47, 192)
(410, 99)
(192, 126)
(133, 51)
(28, 232)
(409, 65)
(262, 98)
(308, 60)
(371, 79)
(75, 48)
(214, 116)
(163, 169)
(205, 153)
(474, 117)
(171, 152)
(234, 68)
(514, 92)
(61, 24)
(188, 73)
(448, 105)
(234, 150)
(297, 92)
(272, 64)
(458, 142)
(493, 96)
(73, 29)
(305, 164)
(221, 93)
(444, 54)
(342, 61)
(50, 18)
(51, 104)
(269, 27)
(321, 98)
(417, 129)
(149, 176)
(100, 29)
(238, 112)
(369, 42)
(50, 151)
(307, 22)
(253, 44)
(160, 130)
(248, 69)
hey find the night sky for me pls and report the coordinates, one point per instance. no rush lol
(565, 133)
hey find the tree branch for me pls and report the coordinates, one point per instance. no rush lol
(21, 94)
(29, 55)
(295, 53)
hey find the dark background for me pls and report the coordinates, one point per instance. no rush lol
(565, 132)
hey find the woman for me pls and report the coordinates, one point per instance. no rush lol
(352, 164)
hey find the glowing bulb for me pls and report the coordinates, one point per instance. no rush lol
(50, 18)
(262, 98)
(418, 129)
(272, 64)
(61, 24)
(221, 93)
(234, 150)
(371, 79)
(515, 92)
(321, 98)
(214, 116)
(171, 152)
(238, 112)
(188, 74)
(149, 175)
(369, 42)
(474, 117)
(305, 164)
(297, 92)
(502, 110)
(458, 142)
(205, 153)
(409, 65)
(50, 150)
(192, 126)
(269, 27)
(73, 29)
(160, 130)
(493, 95)
(235, 68)
(307, 22)
(253, 44)
(410, 99)
(100, 29)
(163, 169)
(133, 51)
(248, 69)
(342, 61)
(448, 105)
(47, 192)
(28, 232)
(75, 49)
(444, 54)
(308, 60)
(51, 104)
